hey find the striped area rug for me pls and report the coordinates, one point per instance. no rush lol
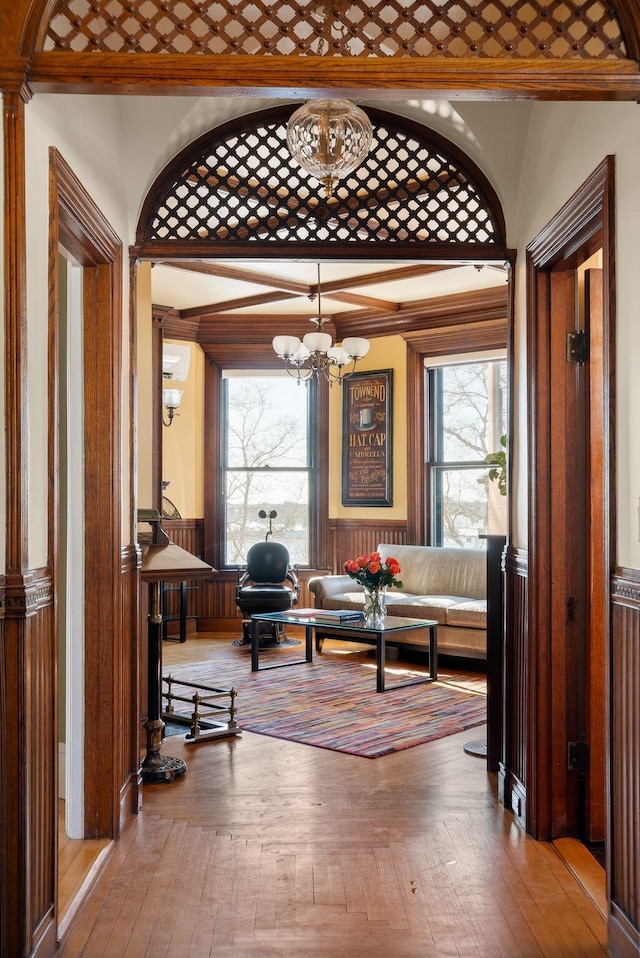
(333, 703)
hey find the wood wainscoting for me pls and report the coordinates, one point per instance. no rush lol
(624, 773)
(29, 794)
(358, 537)
(212, 605)
(512, 774)
(188, 534)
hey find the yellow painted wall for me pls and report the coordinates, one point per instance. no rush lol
(388, 352)
(145, 374)
(183, 443)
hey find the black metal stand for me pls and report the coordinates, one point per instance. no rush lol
(156, 767)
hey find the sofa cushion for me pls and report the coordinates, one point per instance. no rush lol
(471, 614)
(414, 606)
(421, 606)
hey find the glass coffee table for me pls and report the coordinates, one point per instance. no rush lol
(391, 631)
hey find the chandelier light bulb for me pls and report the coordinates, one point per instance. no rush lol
(301, 354)
(339, 355)
(317, 342)
(356, 347)
(285, 346)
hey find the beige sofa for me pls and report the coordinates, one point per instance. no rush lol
(448, 585)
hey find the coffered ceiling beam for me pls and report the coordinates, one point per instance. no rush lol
(457, 309)
(360, 300)
(230, 305)
(242, 275)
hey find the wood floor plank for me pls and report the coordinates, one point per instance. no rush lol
(267, 849)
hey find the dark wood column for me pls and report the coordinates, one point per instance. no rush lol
(27, 668)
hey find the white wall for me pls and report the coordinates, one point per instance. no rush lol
(566, 142)
(87, 133)
(535, 155)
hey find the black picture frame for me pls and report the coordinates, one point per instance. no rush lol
(367, 435)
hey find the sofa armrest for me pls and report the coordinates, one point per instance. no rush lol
(324, 586)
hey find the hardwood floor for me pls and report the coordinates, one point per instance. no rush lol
(271, 848)
(78, 863)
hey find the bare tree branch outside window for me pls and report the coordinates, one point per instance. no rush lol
(471, 417)
(266, 464)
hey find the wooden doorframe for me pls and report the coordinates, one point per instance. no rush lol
(80, 228)
(585, 224)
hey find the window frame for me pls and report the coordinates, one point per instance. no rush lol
(319, 533)
(309, 469)
(435, 467)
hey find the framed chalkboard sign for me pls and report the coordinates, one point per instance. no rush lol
(367, 464)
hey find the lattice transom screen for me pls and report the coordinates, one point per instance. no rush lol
(363, 28)
(247, 187)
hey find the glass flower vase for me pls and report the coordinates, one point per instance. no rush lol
(375, 605)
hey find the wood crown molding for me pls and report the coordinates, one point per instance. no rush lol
(580, 219)
(301, 76)
(219, 335)
(489, 334)
(13, 84)
(455, 309)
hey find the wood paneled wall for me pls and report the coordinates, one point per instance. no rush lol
(28, 731)
(188, 534)
(357, 537)
(624, 925)
(513, 775)
(214, 601)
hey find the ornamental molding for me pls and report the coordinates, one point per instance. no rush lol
(25, 595)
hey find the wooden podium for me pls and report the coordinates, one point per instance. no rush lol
(162, 561)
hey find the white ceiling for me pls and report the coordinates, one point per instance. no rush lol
(185, 289)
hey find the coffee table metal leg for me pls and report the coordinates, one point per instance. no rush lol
(255, 644)
(433, 652)
(381, 657)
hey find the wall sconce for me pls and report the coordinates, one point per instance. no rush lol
(171, 399)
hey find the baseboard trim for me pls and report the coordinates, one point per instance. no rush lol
(624, 938)
(585, 869)
(68, 918)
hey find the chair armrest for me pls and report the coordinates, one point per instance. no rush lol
(292, 577)
(324, 586)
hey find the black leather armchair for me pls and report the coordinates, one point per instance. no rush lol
(268, 584)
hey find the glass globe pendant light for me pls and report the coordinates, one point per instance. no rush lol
(329, 138)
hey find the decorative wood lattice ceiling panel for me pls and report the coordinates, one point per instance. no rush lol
(361, 28)
(243, 185)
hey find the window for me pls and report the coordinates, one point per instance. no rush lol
(467, 418)
(266, 464)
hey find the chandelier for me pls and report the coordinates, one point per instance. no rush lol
(316, 355)
(329, 138)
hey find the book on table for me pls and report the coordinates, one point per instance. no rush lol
(328, 615)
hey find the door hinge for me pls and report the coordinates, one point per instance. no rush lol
(578, 757)
(577, 346)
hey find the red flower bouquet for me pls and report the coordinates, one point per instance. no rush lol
(373, 571)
